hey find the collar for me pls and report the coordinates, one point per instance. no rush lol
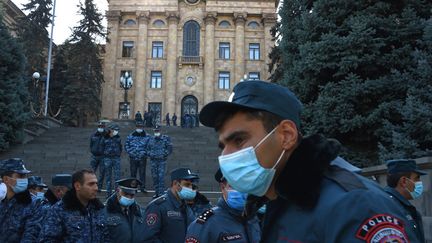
(340, 162)
(20, 198)
(392, 191)
(172, 198)
(113, 206)
(50, 197)
(72, 203)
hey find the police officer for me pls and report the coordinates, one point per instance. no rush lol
(78, 217)
(200, 203)
(174, 119)
(404, 184)
(19, 215)
(167, 217)
(60, 184)
(135, 147)
(123, 214)
(112, 152)
(97, 151)
(225, 222)
(304, 180)
(158, 148)
(36, 188)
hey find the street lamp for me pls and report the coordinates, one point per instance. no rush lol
(126, 83)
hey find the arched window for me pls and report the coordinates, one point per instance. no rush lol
(158, 23)
(191, 38)
(224, 24)
(253, 25)
(130, 22)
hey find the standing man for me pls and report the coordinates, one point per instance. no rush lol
(138, 117)
(404, 184)
(36, 188)
(123, 214)
(134, 146)
(19, 214)
(78, 217)
(225, 221)
(97, 151)
(112, 152)
(60, 184)
(167, 217)
(158, 148)
(167, 119)
(174, 119)
(306, 184)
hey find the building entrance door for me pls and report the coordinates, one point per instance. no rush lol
(155, 110)
(189, 105)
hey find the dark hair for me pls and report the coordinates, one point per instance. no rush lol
(393, 179)
(78, 176)
(6, 173)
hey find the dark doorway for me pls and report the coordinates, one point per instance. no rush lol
(155, 111)
(189, 105)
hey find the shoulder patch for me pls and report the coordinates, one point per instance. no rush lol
(205, 216)
(151, 219)
(191, 240)
(158, 200)
(382, 228)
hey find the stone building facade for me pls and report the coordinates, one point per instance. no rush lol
(183, 54)
(11, 14)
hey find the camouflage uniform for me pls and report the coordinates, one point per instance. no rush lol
(134, 146)
(97, 151)
(19, 219)
(112, 152)
(68, 221)
(158, 149)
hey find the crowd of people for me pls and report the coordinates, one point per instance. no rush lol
(186, 121)
(276, 185)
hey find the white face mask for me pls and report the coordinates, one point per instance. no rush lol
(115, 132)
(157, 134)
(100, 129)
(139, 130)
(3, 191)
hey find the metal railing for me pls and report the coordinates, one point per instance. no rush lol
(191, 60)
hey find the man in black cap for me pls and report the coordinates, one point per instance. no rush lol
(404, 184)
(123, 214)
(112, 152)
(97, 151)
(36, 188)
(19, 215)
(304, 182)
(60, 184)
(167, 217)
(225, 222)
(200, 203)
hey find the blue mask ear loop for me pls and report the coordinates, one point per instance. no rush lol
(262, 141)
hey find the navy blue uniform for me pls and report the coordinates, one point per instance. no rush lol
(223, 224)
(124, 227)
(158, 149)
(20, 219)
(200, 204)
(97, 151)
(112, 153)
(68, 221)
(167, 219)
(135, 147)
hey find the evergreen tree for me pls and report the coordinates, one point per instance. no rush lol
(81, 94)
(353, 63)
(13, 89)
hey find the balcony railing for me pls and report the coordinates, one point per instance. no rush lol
(190, 60)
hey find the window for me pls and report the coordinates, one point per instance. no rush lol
(254, 76)
(127, 48)
(254, 51)
(191, 37)
(224, 80)
(224, 50)
(130, 22)
(157, 49)
(253, 25)
(158, 23)
(224, 24)
(156, 80)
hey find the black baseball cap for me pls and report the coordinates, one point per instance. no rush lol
(403, 165)
(257, 95)
(129, 185)
(62, 180)
(183, 174)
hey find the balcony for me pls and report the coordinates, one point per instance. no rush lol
(190, 60)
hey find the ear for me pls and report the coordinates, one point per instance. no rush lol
(77, 186)
(402, 181)
(288, 133)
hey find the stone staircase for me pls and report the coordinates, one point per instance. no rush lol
(66, 149)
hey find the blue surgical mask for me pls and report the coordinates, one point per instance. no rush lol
(20, 186)
(3, 191)
(115, 132)
(236, 199)
(418, 189)
(100, 130)
(244, 173)
(40, 195)
(126, 202)
(263, 209)
(139, 130)
(186, 193)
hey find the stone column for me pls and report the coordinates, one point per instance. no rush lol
(240, 63)
(109, 105)
(209, 66)
(141, 63)
(171, 71)
(269, 20)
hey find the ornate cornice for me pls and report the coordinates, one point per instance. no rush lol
(240, 18)
(210, 18)
(173, 17)
(113, 15)
(269, 18)
(143, 16)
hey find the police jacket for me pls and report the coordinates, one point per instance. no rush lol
(124, 228)
(318, 202)
(49, 198)
(411, 212)
(200, 204)
(96, 144)
(135, 145)
(19, 219)
(159, 147)
(167, 219)
(223, 224)
(70, 222)
(112, 146)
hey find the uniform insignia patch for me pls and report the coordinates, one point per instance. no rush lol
(151, 219)
(204, 216)
(230, 237)
(173, 214)
(382, 228)
(191, 240)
